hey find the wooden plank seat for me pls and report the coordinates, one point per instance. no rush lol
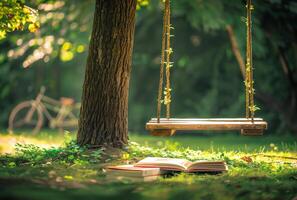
(168, 127)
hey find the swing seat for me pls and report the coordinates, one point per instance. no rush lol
(168, 127)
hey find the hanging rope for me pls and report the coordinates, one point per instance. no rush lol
(160, 90)
(249, 82)
(165, 61)
(167, 97)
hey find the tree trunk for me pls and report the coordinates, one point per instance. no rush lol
(104, 112)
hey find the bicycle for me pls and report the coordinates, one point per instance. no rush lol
(30, 114)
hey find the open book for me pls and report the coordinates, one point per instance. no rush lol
(173, 164)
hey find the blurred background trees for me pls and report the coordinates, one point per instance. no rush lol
(207, 80)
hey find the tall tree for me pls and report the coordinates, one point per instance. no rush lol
(104, 111)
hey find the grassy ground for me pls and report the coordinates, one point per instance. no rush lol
(259, 168)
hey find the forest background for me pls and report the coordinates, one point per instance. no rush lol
(206, 77)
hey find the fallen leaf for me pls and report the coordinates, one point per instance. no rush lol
(247, 159)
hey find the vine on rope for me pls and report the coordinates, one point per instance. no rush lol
(251, 108)
(164, 97)
(168, 65)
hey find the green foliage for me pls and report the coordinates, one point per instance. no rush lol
(206, 79)
(29, 154)
(14, 15)
(142, 3)
(269, 159)
(262, 172)
(206, 15)
(236, 160)
(170, 150)
(58, 50)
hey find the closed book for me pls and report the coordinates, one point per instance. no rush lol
(132, 171)
(112, 177)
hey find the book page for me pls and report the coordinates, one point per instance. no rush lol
(208, 165)
(164, 163)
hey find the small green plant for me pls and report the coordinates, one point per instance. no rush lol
(71, 153)
(269, 171)
(170, 150)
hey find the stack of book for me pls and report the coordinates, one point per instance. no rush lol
(150, 168)
(132, 173)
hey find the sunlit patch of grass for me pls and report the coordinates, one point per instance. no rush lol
(8, 142)
(269, 161)
(258, 168)
(45, 139)
(223, 142)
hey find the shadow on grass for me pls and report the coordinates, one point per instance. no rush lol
(65, 173)
(179, 187)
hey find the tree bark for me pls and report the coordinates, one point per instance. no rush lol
(104, 112)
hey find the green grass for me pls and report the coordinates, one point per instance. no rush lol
(223, 142)
(259, 168)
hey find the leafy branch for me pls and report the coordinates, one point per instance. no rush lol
(14, 15)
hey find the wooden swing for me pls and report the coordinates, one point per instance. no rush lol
(168, 126)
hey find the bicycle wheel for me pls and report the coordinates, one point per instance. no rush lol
(24, 117)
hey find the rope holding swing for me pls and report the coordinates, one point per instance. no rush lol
(165, 62)
(168, 127)
(249, 82)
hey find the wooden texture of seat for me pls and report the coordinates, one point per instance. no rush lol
(163, 132)
(167, 127)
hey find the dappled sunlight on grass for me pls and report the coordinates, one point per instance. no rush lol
(267, 162)
(264, 167)
(220, 142)
(43, 140)
(8, 142)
